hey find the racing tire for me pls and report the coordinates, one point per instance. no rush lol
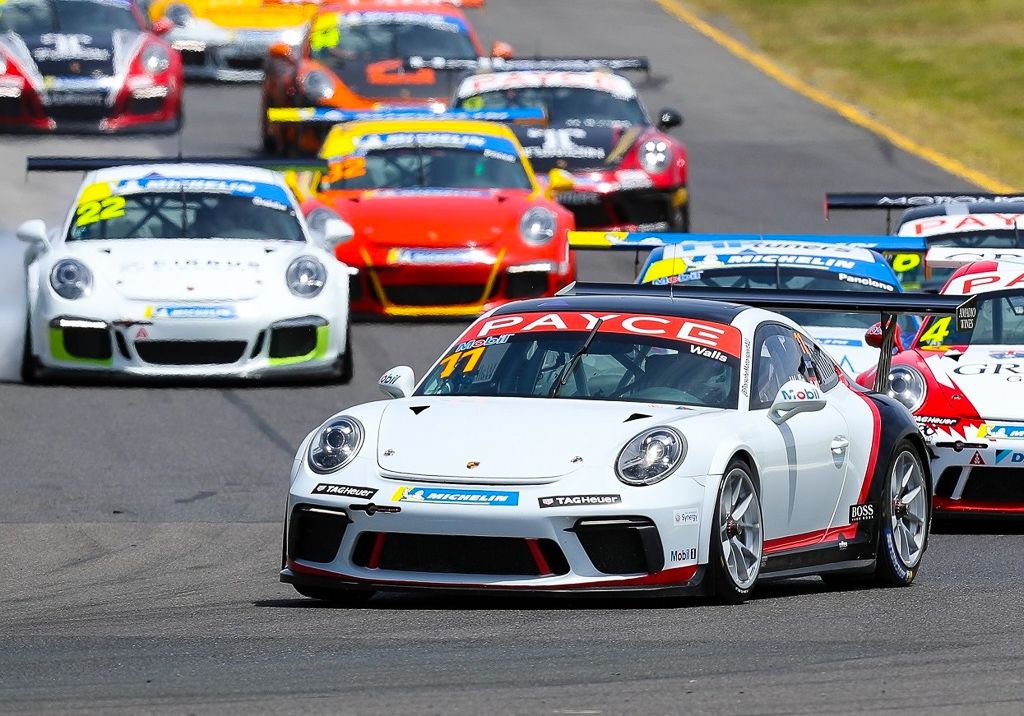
(29, 362)
(737, 537)
(679, 219)
(905, 518)
(336, 597)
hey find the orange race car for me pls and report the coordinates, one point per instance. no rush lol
(448, 215)
(353, 58)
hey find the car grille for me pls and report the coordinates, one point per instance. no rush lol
(244, 63)
(190, 352)
(435, 294)
(78, 114)
(191, 58)
(314, 533)
(450, 554)
(621, 545)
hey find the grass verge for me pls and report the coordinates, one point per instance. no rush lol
(946, 73)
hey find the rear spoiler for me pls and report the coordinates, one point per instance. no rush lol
(887, 304)
(328, 115)
(646, 241)
(87, 164)
(538, 64)
(957, 256)
(899, 200)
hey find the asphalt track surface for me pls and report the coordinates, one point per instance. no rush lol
(140, 527)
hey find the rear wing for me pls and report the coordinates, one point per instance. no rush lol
(538, 64)
(888, 305)
(87, 164)
(328, 115)
(897, 200)
(646, 241)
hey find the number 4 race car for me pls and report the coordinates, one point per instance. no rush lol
(183, 269)
(676, 445)
(963, 380)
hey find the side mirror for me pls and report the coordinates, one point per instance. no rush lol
(162, 26)
(282, 51)
(559, 181)
(873, 337)
(669, 118)
(794, 397)
(33, 232)
(336, 231)
(399, 382)
(502, 50)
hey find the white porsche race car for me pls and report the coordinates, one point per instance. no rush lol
(190, 270)
(615, 439)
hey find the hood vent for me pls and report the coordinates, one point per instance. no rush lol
(417, 409)
(636, 416)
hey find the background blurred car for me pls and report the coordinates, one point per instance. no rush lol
(352, 59)
(628, 172)
(86, 65)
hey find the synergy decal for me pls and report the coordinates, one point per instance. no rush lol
(364, 493)
(1009, 456)
(576, 500)
(703, 333)
(434, 495)
(685, 518)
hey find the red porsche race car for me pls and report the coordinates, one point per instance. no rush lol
(86, 66)
(629, 173)
(963, 378)
(449, 217)
(352, 59)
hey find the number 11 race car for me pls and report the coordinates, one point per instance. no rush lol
(676, 445)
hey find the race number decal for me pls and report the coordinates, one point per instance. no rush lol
(325, 33)
(347, 168)
(937, 332)
(100, 210)
(472, 358)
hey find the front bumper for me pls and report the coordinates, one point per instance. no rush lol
(149, 106)
(611, 209)
(239, 347)
(383, 541)
(453, 290)
(982, 475)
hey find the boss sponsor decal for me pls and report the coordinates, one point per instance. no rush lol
(432, 495)
(1009, 456)
(578, 500)
(213, 312)
(717, 336)
(862, 513)
(363, 493)
(686, 518)
(683, 555)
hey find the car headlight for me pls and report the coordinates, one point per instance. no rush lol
(70, 279)
(180, 15)
(292, 36)
(538, 225)
(317, 85)
(651, 456)
(154, 59)
(655, 155)
(306, 277)
(335, 444)
(908, 386)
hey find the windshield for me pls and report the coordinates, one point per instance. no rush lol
(568, 106)
(83, 17)
(184, 215)
(915, 274)
(625, 361)
(768, 277)
(431, 161)
(999, 322)
(373, 36)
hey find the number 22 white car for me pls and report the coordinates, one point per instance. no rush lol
(189, 270)
(614, 439)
